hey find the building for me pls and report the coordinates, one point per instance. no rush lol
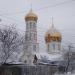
(54, 54)
(30, 46)
(53, 40)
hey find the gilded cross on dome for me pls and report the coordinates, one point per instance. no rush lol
(52, 23)
(31, 7)
(31, 16)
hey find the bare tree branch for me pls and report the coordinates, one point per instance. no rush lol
(10, 42)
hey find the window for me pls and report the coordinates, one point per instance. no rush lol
(30, 36)
(34, 25)
(48, 47)
(30, 25)
(35, 36)
(59, 47)
(34, 48)
(54, 46)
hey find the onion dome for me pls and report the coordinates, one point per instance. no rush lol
(31, 16)
(52, 35)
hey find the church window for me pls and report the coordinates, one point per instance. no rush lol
(48, 47)
(34, 36)
(34, 47)
(58, 47)
(27, 25)
(30, 36)
(30, 25)
(34, 25)
(54, 46)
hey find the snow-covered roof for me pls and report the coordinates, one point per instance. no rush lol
(51, 57)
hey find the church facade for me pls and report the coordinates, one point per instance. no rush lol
(53, 40)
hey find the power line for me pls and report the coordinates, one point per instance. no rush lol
(50, 6)
(11, 19)
(42, 8)
(18, 21)
(37, 10)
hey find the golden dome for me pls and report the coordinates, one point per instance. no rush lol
(56, 34)
(52, 35)
(31, 16)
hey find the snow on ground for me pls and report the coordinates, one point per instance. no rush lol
(68, 73)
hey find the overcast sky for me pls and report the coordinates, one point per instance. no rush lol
(63, 12)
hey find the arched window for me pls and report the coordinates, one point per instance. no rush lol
(59, 47)
(53, 46)
(34, 47)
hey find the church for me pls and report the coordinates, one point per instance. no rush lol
(53, 39)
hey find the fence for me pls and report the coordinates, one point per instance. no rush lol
(27, 70)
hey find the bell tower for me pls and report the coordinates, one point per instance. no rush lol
(31, 46)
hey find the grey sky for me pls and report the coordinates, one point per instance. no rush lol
(13, 11)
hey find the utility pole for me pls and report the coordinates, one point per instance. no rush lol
(68, 58)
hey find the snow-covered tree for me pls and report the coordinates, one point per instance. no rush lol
(10, 42)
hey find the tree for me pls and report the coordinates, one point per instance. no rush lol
(10, 41)
(69, 58)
